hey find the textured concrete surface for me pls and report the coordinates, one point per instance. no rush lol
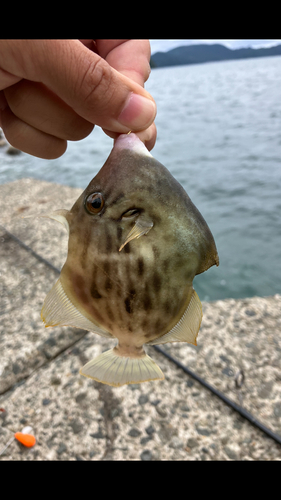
(74, 418)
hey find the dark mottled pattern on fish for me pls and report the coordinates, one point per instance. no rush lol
(136, 241)
(123, 290)
(108, 244)
(147, 302)
(156, 252)
(140, 266)
(85, 247)
(156, 282)
(119, 235)
(128, 305)
(130, 292)
(109, 312)
(94, 292)
(141, 290)
(127, 248)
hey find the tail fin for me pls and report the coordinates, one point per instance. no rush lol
(112, 369)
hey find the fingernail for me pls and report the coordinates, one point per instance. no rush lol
(138, 112)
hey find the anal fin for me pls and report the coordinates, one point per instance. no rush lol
(187, 328)
(58, 310)
(112, 369)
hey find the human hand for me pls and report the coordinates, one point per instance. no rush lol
(52, 91)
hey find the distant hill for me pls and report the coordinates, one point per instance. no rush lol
(195, 54)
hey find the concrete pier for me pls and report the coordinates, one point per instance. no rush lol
(74, 418)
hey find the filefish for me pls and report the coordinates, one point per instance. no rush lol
(136, 241)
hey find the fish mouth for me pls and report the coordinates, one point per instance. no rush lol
(131, 141)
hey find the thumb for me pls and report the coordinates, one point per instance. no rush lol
(88, 84)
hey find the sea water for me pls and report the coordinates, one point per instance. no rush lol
(219, 133)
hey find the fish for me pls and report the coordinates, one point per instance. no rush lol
(136, 242)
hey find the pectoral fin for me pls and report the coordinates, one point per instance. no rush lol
(58, 215)
(58, 310)
(140, 228)
(188, 326)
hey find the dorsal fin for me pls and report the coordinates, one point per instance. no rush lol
(58, 310)
(187, 328)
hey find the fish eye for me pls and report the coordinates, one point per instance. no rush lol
(94, 203)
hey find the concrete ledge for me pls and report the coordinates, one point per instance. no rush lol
(77, 419)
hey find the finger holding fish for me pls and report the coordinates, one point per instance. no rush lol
(147, 136)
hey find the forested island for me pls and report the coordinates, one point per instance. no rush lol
(196, 54)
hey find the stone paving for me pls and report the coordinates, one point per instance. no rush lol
(74, 418)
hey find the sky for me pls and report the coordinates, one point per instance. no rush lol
(166, 44)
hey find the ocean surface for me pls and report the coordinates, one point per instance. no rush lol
(219, 133)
